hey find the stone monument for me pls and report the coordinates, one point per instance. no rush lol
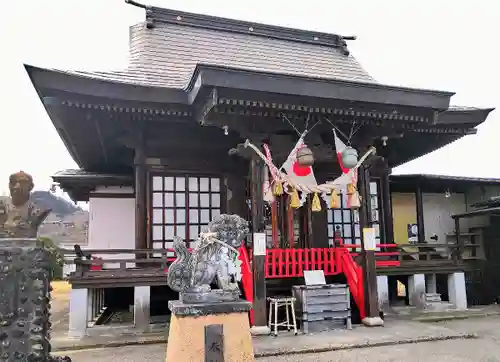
(210, 324)
(25, 277)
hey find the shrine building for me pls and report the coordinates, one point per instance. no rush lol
(160, 147)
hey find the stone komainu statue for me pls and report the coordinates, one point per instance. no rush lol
(215, 258)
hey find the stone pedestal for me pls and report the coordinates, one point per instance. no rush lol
(24, 301)
(416, 290)
(383, 292)
(456, 290)
(78, 313)
(217, 328)
(142, 297)
(431, 284)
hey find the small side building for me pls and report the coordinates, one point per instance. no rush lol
(443, 214)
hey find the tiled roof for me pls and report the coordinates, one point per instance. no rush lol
(166, 55)
(173, 51)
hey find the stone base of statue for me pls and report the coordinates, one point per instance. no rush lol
(213, 296)
(25, 276)
(219, 331)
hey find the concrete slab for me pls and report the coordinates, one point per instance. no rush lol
(395, 332)
(413, 313)
(472, 350)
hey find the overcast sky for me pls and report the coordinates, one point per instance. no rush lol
(445, 45)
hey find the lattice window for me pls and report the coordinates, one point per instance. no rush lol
(345, 221)
(182, 206)
(374, 201)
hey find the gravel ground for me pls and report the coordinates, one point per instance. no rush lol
(486, 348)
(456, 350)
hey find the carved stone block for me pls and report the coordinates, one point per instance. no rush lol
(25, 278)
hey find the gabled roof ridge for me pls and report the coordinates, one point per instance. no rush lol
(156, 15)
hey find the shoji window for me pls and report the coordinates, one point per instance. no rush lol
(345, 221)
(374, 202)
(182, 206)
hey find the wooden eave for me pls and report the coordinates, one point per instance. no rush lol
(73, 83)
(207, 76)
(79, 183)
(479, 212)
(218, 92)
(438, 183)
(456, 115)
(90, 178)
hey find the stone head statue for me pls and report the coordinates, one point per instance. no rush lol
(19, 217)
(20, 187)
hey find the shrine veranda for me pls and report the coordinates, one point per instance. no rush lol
(161, 150)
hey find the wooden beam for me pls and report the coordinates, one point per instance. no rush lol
(460, 241)
(420, 213)
(386, 206)
(273, 103)
(368, 256)
(258, 264)
(195, 162)
(140, 197)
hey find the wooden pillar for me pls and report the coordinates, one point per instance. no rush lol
(140, 198)
(386, 209)
(303, 225)
(290, 223)
(420, 214)
(368, 256)
(309, 224)
(283, 219)
(274, 224)
(259, 287)
(459, 250)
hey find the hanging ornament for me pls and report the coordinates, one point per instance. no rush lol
(355, 201)
(277, 188)
(316, 205)
(334, 200)
(351, 189)
(305, 157)
(349, 157)
(294, 199)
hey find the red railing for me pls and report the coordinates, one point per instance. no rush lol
(379, 263)
(246, 278)
(291, 263)
(354, 276)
